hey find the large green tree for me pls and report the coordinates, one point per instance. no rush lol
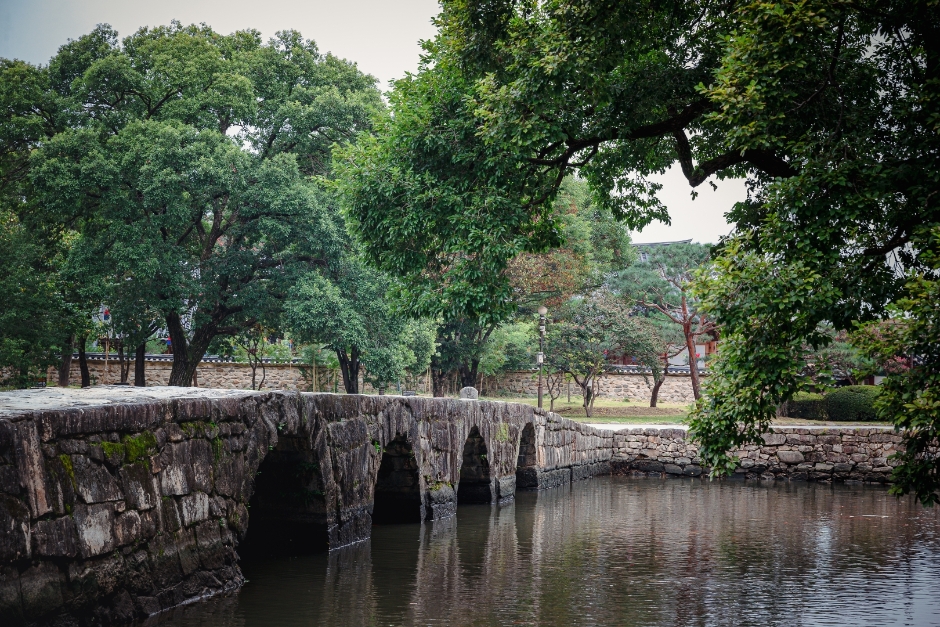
(828, 108)
(850, 92)
(182, 159)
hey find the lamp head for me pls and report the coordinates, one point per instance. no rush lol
(543, 310)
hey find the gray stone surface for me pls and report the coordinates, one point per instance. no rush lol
(119, 502)
(469, 394)
(798, 453)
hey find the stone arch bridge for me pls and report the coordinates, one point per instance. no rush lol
(118, 502)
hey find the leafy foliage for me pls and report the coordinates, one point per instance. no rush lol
(662, 283)
(30, 320)
(807, 405)
(852, 402)
(767, 310)
(588, 333)
(910, 398)
(510, 347)
(180, 159)
(345, 308)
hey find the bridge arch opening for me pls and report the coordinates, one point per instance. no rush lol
(397, 497)
(287, 509)
(475, 485)
(526, 476)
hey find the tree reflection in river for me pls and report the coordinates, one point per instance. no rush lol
(618, 551)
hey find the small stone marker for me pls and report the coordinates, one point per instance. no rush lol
(469, 394)
(409, 393)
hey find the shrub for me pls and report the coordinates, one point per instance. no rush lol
(852, 403)
(806, 405)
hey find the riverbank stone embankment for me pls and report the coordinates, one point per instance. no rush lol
(854, 454)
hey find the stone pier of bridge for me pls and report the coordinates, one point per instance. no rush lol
(118, 502)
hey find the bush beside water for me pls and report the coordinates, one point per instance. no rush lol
(807, 405)
(853, 403)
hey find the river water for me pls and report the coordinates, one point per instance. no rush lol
(617, 551)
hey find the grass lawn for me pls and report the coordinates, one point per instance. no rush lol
(610, 410)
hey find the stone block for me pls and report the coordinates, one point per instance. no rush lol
(138, 486)
(212, 553)
(692, 471)
(9, 482)
(127, 528)
(15, 531)
(199, 469)
(823, 467)
(172, 467)
(647, 465)
(11, 606)
(843, 467)
(195, 508)
(672, 469)
(790, 457)
(93, 482)
(95, 527)
(31, 466)
(41, 590)
(91, 581)
(55, 538)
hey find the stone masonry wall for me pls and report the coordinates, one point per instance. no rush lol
(237, 376)
(118, 502)
(637, 388)
(840, 454)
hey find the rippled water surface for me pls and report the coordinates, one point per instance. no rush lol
(618, 551)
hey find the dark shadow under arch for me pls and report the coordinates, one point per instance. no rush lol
(287, 510)
(397, 492)
(526, 476)
(475, 485)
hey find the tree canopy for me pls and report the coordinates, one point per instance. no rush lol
(588, 332)
(830, 109)
(181, 160)
(661, 283)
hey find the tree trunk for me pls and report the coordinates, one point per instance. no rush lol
(124, 363)
(65, 366)
(587, 392)
(83, 362)
(139, 365)
(468, 373)
(438, 379)
(588, 395)
(349, 365)
(693, 362)
(654, 397)
(186, 355)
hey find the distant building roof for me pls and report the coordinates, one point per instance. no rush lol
(681, 241)
(645, 255)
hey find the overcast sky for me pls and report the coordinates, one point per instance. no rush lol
(380, 35)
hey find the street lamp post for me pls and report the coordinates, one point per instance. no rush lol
(542, 312)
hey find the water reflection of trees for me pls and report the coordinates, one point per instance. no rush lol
(629, 552)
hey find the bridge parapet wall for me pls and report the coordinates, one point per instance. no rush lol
(117, 503)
